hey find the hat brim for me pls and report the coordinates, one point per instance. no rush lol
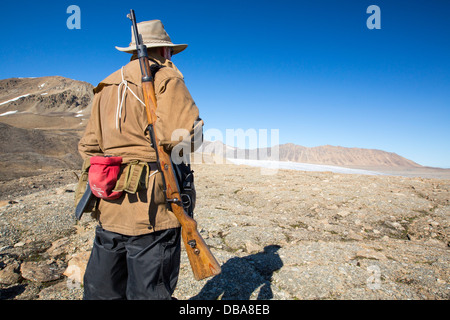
(177, 48)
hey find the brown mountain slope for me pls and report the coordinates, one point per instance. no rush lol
(44, 95)
(341, 156)
(41, 120)
(45, 103)
(28, 152)
(326, 155)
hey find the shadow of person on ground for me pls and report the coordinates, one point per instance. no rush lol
(241, 277)
(11, 292)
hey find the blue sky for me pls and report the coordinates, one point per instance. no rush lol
(311, 69)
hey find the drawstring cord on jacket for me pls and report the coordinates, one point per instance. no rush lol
(120, 105)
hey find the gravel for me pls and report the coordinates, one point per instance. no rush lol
(293, 235)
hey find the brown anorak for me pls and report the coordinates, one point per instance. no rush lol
(118, 128)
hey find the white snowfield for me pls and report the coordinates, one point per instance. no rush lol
(8, 112)
(275, 165)
(15, 99)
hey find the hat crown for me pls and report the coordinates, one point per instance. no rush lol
(150, 32)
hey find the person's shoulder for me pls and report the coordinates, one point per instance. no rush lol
(129, 72)
(166, 73)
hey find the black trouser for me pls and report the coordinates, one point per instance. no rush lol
(133, 267)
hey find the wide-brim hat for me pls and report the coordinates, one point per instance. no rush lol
(153, 35)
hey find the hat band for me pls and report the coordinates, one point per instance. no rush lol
(154, 41)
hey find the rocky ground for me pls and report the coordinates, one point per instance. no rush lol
(290, 235)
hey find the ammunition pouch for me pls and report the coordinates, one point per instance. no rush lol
(134, 177)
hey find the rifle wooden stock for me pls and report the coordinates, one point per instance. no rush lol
(202, 261)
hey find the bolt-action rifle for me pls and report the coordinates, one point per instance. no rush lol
(202, 261)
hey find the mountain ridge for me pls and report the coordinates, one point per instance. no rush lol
(326, 155)
(343, 156)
